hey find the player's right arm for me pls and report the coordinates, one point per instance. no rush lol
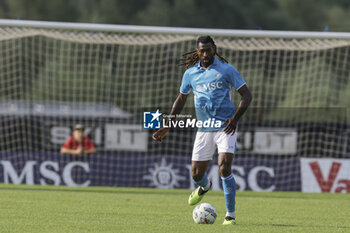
(178, 105)
(176, 109)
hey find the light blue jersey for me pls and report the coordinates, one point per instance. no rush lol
(212, 90)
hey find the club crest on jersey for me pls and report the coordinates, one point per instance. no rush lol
(209, 86)
(217, 75)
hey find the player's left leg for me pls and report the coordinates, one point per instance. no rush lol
(226, 149)
(229, 186)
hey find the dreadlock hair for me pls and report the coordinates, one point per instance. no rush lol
(191, 58)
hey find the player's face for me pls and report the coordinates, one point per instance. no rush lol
(206, 53)
(78, 135)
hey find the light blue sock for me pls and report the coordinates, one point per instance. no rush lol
(229, 186)
(202, 182)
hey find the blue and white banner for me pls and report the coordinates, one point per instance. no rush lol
(125, 170)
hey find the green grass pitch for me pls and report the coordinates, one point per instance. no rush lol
(92, 209)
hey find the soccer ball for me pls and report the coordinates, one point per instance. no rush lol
(204, 214)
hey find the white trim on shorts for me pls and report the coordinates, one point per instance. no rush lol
(206, 143)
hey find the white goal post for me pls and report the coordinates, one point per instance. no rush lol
(172, 30)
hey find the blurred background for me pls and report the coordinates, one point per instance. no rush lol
(306, 15)
(54, 78)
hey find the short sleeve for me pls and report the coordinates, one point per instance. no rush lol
(185, 87)
(235, 79)
(68, 143)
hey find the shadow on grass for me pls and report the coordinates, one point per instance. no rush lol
(283, 225)
(303, 226)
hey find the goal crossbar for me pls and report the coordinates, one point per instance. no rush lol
(172, 30)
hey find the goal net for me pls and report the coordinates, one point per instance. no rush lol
(52, 79)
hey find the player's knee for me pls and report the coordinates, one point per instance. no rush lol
(224, 170)
(197, 174)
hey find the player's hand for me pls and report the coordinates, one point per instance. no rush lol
(231, 126)
(160, 134)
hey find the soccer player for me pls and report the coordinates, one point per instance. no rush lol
(78, 144)
(211, 78)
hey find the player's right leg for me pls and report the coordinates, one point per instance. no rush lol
(200, 177)
(203, 151)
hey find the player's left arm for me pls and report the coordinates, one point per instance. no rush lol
(242, 107)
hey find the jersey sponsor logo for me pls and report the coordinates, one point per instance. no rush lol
(209, 86)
